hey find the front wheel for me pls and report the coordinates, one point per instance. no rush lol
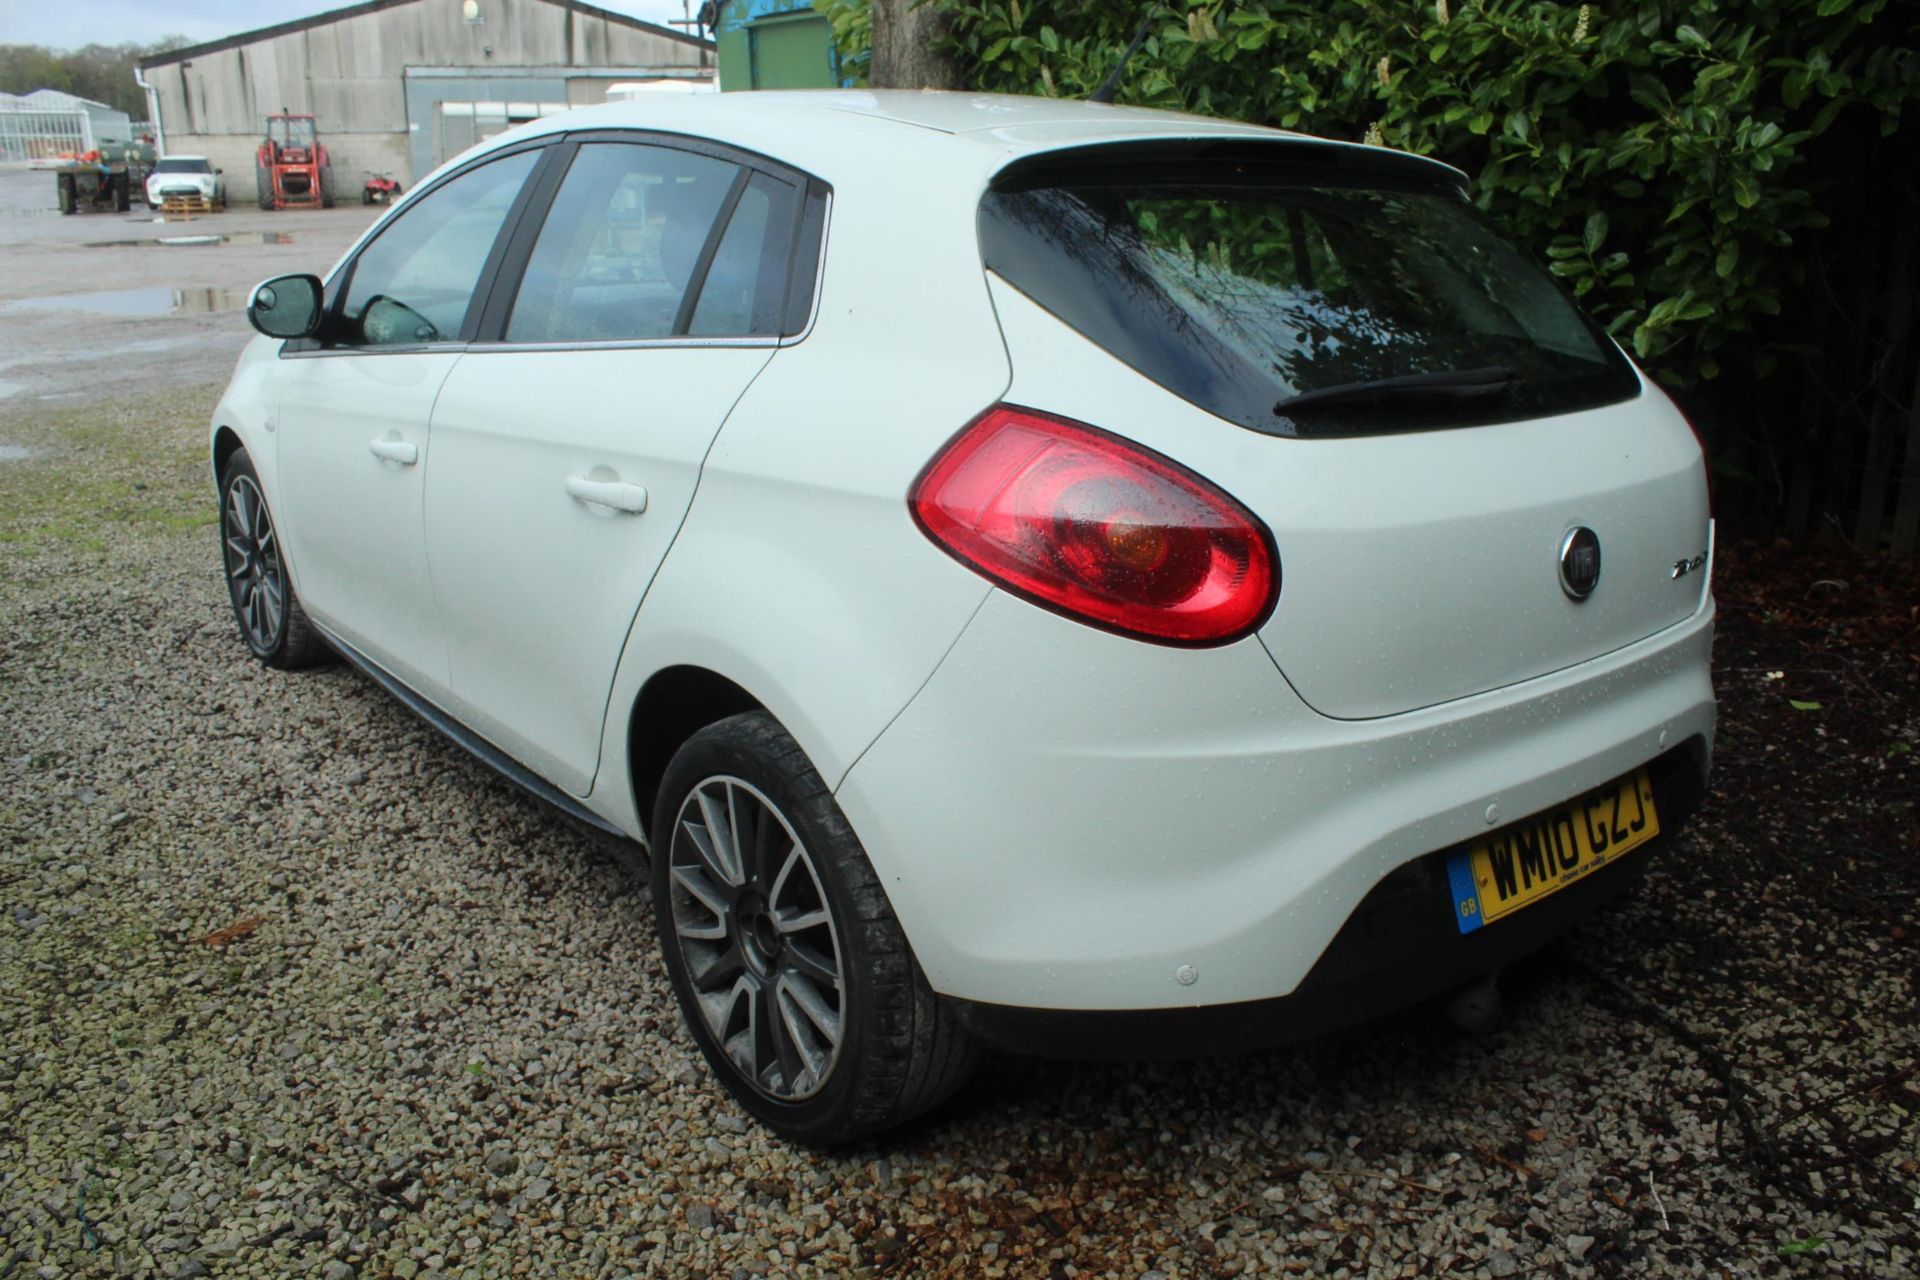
(271, 620)
(789, 966)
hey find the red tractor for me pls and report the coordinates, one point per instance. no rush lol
(292, 168)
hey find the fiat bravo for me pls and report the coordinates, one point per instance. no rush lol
(1027, 573)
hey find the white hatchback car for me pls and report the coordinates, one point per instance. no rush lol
(1032, 573)
(190, 176)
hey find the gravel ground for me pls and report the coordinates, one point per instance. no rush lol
(290, 986)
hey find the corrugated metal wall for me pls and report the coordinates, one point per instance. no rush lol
(351, 74)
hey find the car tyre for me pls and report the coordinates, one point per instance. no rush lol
(789, 966)
(265, 606)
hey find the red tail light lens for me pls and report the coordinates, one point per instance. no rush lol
(1098, 528)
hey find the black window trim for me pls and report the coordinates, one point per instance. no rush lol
(807, 264)
(505, 283)
(341, 282)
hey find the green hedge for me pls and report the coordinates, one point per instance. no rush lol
(1664, 156)
(1731, 186)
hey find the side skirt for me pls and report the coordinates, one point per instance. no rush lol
(475, 745)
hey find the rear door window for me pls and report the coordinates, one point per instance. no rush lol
(652, 242)
(1299, 299)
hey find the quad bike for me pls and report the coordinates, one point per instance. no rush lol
(379, 189)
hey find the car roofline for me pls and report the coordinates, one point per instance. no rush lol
(998, 130)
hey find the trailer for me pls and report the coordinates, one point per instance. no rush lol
(92, 183)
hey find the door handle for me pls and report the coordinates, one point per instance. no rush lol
(394, 451)
(619, 495)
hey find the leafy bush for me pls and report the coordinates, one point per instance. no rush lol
(1664, 155)
(852, 36)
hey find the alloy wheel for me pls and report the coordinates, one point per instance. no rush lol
(758, 938)
(255, 573)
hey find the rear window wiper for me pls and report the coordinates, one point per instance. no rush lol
(1451, 384)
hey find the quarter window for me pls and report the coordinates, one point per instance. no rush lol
(414, 283)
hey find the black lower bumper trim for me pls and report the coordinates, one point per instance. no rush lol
(1399, 947)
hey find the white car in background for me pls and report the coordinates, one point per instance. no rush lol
(1035, 573)
(185, 176)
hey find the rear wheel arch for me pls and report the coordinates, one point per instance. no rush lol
(674, 704)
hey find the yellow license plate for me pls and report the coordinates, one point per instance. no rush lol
(1517, 866)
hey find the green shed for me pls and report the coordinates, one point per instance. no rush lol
(773, 44)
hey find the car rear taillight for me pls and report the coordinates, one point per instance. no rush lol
(1098, 528)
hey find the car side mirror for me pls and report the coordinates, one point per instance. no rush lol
(286, 306)
(219, 170)
(389, 322)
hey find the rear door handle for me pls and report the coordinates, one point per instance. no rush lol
(618, 494)
(394, 451)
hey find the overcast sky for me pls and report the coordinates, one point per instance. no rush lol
(67, 24)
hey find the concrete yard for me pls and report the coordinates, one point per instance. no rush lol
(131, 302)
(290, 986)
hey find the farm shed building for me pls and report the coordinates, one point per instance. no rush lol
(396, 86)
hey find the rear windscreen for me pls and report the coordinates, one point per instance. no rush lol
(1241, 287)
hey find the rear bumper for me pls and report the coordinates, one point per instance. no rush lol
(1399, 947)
(1069, 821)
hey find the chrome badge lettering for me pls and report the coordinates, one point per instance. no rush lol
(1683, 566)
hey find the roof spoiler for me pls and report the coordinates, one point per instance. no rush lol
(1282, 159)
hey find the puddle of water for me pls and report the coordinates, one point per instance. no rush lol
(9, 389)
(194, 241)
(16, 453)
(138, 304)
(120, 350)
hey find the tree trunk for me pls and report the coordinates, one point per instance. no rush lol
(907, 52)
